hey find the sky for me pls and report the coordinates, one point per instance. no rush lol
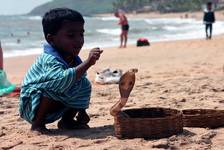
(15, 7)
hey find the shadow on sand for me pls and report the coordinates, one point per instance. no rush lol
(92, 133)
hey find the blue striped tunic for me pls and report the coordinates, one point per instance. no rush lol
(50, 76)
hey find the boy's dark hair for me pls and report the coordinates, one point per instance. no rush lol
(53, 19)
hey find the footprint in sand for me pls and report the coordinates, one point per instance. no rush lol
(161, 144)
(145, 85)
(10, 144)
(103, 93)
(221, 101)
(100, 141)
(145, 77)
(1, 112)
(59, 147)
(206, 138)
(2, 133)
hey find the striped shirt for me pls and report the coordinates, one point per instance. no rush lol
(50, 76)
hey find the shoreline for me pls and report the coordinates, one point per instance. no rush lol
(111, 47)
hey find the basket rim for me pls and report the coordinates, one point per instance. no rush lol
(202, 113)
(203, 109)
(207, 111)
(166, 108)
(178, 113)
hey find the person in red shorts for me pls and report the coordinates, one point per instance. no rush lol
(123, 22)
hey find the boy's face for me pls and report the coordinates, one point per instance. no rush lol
(69, 39)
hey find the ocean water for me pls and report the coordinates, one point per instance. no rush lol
(22, 35)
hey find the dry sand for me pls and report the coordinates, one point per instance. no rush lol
(177, 74)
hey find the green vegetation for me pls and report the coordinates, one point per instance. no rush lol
(86, 7)
(92, 7)
(159, 5)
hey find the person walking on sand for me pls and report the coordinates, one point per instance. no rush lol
(5, 86)
(56, 85)
(123, 22)
(209, 19)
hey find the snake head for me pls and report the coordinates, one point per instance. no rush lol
(127, 82)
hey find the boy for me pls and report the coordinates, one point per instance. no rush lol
(209, 19)
(56, 85)
(124, 28)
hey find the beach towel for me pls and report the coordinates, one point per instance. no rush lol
(5, 86)
(50, 76)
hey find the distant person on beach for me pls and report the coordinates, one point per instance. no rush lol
(1, 57)
(123, 22)
(18, 41)
(28, 33)
(215, 2)
(5, 86)
(209, 19)
(56, 85)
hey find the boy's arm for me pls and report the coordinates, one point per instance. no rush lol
(204, 18)
(94, 55)
(82, 68)
(56, 77)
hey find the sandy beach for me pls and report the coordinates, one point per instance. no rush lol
(174, 74)
(178, 74)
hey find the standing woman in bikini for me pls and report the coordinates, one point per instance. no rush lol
(123, 22)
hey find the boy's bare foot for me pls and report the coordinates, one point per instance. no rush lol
(40, 129)
(72, 124)
(82, 117)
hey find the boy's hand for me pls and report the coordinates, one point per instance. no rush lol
(94, 55)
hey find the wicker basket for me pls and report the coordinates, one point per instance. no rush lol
(148, 123)
(208, 118)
